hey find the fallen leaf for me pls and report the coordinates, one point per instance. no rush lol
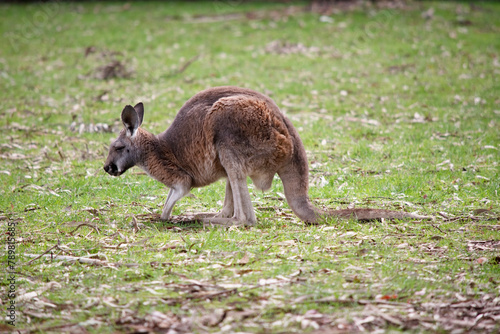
(214, 318)
(481, 211)
(244, 260)
(388, 297)
(286, 243)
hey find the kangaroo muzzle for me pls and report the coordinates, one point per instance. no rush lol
(112, 169)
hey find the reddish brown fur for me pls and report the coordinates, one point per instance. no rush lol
(225, 132)
(252, 134)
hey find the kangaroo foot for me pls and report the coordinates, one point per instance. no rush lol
(203, 215)
(226, 221)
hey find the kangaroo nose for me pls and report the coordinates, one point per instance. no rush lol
(110, 168)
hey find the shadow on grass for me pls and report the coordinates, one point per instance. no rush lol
(176, 223)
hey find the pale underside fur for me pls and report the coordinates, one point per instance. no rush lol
(232, 133)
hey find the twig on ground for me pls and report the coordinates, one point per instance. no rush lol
(54, 328)
(43, 254)
(437, 228)
(84, 224)
(136, 225)
(443, 215)
(83, 260)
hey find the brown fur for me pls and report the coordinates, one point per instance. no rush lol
(226, 132)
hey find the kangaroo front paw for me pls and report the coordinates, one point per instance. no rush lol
(164, 218)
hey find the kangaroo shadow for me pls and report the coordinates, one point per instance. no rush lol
(175, 223)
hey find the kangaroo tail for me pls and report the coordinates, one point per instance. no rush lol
(373, 214)
(295, 178)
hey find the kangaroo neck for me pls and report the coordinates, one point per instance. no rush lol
(158, 160)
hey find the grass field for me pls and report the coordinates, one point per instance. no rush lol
(398, 108)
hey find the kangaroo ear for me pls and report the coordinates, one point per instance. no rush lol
(139, 108)
(130, 120)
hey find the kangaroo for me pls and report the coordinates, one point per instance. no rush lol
(226, 132)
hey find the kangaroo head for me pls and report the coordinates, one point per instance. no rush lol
(124, 153)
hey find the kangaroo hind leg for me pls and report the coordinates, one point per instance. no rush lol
(228, 209)
(243, 209)
(243, 213)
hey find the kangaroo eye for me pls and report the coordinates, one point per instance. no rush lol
(119, 148)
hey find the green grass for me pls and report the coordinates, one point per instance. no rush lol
(396, 111)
